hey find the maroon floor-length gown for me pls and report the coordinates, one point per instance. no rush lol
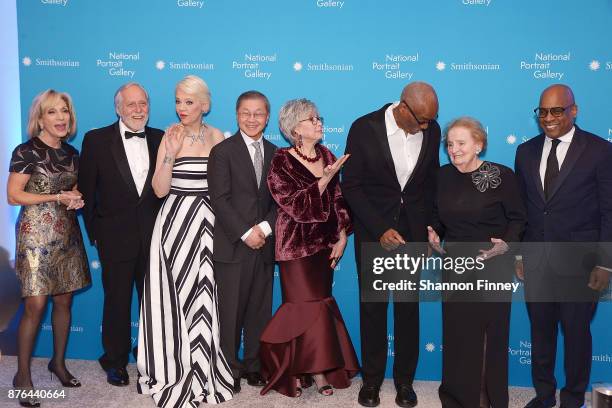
(307, 333)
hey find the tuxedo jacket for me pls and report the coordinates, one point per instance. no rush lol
(579, 208)
(237, 201)
(370, 185)
(116, 217)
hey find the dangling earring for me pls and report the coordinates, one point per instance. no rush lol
(298, 141)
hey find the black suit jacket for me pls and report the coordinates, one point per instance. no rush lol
(237, 201)
(116, 218)
(370, 184)
(578, 210)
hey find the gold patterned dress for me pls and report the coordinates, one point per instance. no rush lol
(50, 258)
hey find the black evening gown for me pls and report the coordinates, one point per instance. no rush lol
(474, 207)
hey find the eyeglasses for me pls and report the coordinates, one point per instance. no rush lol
(418, 121)
(557, 111)
(313, 119)
(256, 115)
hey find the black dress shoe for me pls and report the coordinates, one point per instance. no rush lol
(368, 396)
(254, 379)
(539, 403)
(406, 397)
(237, 387)
(117, 376)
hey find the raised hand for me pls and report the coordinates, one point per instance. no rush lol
(173, 139)
(330, 170)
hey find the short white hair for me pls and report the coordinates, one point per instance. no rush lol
(119, 96)
(291, 113)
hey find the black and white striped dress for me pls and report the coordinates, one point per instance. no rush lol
(180, 362)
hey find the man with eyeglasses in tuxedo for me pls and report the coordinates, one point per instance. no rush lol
(565, 178)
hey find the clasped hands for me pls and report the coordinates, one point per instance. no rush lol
(499, 246)
(256, 238)
(72, 199)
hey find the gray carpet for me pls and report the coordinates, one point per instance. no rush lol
(95, 392)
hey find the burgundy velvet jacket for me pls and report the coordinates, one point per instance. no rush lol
(307, 221)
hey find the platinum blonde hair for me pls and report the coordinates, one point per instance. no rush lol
(194, 85)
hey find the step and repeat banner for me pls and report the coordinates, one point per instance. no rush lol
(486, 58)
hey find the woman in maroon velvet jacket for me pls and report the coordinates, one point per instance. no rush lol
(307, 334)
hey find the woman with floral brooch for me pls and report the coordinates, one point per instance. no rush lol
(478, 205)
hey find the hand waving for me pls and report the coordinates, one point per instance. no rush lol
(330, 171)
(173, 139)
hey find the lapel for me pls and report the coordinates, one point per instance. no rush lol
(536, 157)
(576, 148)
(243, 156)
(380, 134)
(118, 153)
(152, 162)
(419, 163)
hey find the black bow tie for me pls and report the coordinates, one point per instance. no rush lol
(129, 135)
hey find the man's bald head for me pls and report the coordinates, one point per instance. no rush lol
(418, 107)
(557, 96)
(559, 91)
(421, 95)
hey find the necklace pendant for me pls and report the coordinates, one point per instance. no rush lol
(199, 137)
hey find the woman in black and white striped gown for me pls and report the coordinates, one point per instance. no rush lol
(180, 362)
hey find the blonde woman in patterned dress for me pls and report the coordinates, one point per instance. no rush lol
(50, 259)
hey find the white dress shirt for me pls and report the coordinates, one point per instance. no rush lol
(562, 148)
(264, 225)
(137, 153)
(405, 147)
